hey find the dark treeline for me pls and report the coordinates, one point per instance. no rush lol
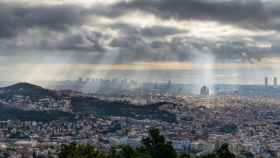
(153, 146)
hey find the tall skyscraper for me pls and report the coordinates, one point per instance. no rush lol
(275, 81)
(266, 81)
(204, 91)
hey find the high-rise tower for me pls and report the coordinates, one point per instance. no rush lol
(275, 81)
(204, 91)
(266, 81)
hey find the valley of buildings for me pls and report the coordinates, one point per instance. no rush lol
(249, 123)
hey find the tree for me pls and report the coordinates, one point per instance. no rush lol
(123, 151)
(79, 151)
(156, 145)
(185, 155)
(224, 152)
(247, 154)
(212, 155)
(153, 146)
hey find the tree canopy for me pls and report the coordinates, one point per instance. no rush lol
(153, 146)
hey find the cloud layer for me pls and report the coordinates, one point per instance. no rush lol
(140, 31)
(252, 14)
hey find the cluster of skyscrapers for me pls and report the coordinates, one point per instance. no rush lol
(266, 81)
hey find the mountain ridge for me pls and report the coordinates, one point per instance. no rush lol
(33, 91)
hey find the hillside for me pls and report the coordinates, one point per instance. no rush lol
(81, 105)
(87, 105)
(26, 89)
(8, 113)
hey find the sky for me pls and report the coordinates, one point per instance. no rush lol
(187, 41)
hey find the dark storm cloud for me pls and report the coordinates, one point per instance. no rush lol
(244, 13)
(91, 42)
(84, 42)
(134, 43)
(26, 27)
(149, 31)
(16, 18)
(188, 48)
(94, 47)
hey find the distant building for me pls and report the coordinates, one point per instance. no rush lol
(275, 81)
(204, 91)
(169, 84)
(80, 80)
(266, 81)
